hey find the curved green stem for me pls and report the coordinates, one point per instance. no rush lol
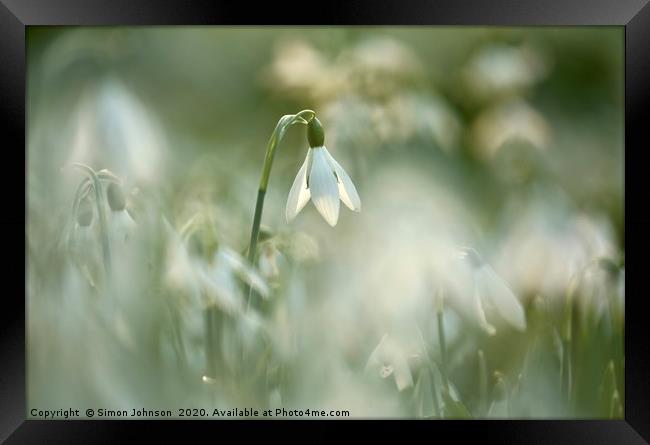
(284, 123)
(101, 211)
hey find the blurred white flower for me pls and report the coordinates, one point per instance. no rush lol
(113, 129)
(380, 66)
(488, 290)
(302, 247)
(388, 359)
(352, 122)
(501, 69)
(299, 70)
(213, 281)
(179, 274)
(219, 280)
(563, 243)
(404, 117)
(398, 257)
(602, 289)
(121, 223)
(506, 122)
(84, 246)
(323, 180)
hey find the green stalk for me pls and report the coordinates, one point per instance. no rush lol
(101, 212)
(284, 123)
(209, 330)
(568, 339)
(442, 342)
(483, 381)
(436, 405)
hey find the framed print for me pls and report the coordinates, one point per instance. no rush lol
(374, 213)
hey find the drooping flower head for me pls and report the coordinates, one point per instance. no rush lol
(122, 223)
(488, 289)
(322, 179)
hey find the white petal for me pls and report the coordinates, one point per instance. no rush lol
(500, 295)
(376, 356)
(122, 226)
(480, 313)
(299, 194)
(323, 187)
(347, 190)
(218, 288)
(403, 377)
(233, 262)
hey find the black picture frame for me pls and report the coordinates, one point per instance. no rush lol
(633, 15)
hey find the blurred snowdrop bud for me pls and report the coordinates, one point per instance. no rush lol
(219, 279)
(121, 224)
(303, 247)
(113, 128)
(601, 289)
(300, 70)
(490, 291)
(410, 116)
(351, 123)
(506, 122)
(518, 161)
(85, 213)
(436, 119)
(115, 197)
(379, 67)
(500, 69)
(84, 243)
(388, 359)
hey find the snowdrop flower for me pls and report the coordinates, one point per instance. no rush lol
(83, 243)
(490, 291)
(509, 121)
(503, 69)
(323, 180)
(209, 279)
(388, 359)
(112, 127)
(122, 224)
(602, 289)
(220, 280)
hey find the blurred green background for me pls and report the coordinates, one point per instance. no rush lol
(505, 140)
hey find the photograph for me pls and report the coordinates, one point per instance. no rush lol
(345, 222)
